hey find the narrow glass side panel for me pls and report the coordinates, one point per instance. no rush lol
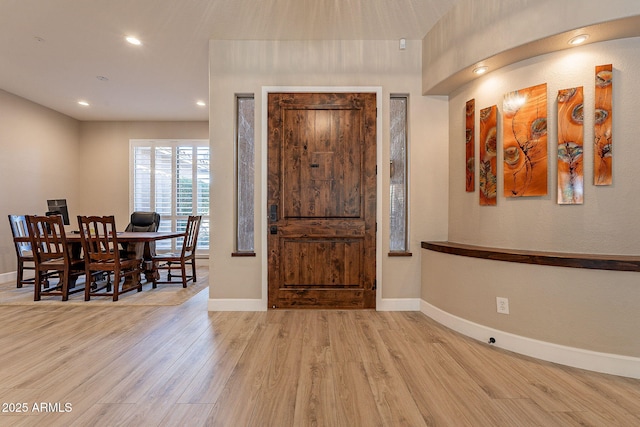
(398, 175)
(245, 156)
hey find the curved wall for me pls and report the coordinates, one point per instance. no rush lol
(506, 31)
(579, 311)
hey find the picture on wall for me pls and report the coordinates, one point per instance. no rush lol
(570, 146)
(525, 142)
(488, 156)
(602, 147)
(470, 128)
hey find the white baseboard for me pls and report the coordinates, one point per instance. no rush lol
(576, 357)
(398, 304)
(236, 305)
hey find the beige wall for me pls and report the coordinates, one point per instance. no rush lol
(247, 66)
(39, 155)
(593, 310)
(104, 148)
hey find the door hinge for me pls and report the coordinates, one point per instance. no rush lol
(375, 285)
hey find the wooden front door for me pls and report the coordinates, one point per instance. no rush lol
(321, 200)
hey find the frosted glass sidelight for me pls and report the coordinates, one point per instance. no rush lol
(245, 170)
(398, 175)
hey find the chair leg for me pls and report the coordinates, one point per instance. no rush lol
(183, 267)
(155, 273)
(36, 286)
(193, 269)
(116, 285)
(88, 285)
(64, 279)
(20, 274)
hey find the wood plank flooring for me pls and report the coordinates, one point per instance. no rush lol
(184, 366)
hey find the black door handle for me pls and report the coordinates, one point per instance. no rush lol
(273, 213)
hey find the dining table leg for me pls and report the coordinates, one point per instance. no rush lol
(140, 250)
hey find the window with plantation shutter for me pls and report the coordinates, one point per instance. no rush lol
(171, 177)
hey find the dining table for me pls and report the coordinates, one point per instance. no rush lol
(74, 242)
(145, 237)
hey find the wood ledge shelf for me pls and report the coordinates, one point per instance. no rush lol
(557, 259)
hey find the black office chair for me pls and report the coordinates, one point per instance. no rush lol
(142, 221)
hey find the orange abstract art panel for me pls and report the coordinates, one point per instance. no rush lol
(570, 146)
(602, 144)
(525, 142)
(470, 127)
(488, 155)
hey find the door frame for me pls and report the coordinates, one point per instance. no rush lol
(263, 196)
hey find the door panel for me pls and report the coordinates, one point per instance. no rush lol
(321, 180)
(321, 164)
(305, 263)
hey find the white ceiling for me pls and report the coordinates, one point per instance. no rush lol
(52, 51)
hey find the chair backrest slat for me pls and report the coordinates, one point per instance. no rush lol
(191, 234)
(99, 238)
(48, 238)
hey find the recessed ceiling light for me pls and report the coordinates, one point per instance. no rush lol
(102, 78)
(480, 70)
(201, 103)
(134, 40)
(83, 103)
(579, 39)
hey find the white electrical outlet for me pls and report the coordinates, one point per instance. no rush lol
(503, 305)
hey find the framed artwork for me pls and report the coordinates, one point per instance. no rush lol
(488, 156)
(570, 146)
(525, 142)
(602, 143)
(470, 144)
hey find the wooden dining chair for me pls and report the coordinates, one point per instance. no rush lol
(52, 258)
(19, 229)
(179, 261)
(103, 258)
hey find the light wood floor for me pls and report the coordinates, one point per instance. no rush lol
(184, 366)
